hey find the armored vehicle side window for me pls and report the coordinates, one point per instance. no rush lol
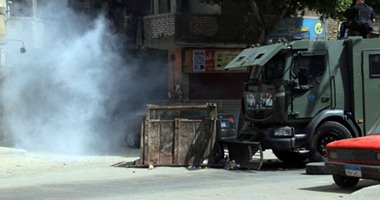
(308, 68)
(374, 66)
(274, 69)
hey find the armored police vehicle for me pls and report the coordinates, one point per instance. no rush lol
(301, 95)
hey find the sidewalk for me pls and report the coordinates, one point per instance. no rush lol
(367, 193)
(11, 151)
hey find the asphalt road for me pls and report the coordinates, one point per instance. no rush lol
(274, 181)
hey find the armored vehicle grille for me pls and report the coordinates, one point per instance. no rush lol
(261, 114)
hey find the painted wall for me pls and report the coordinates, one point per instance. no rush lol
(300, 28)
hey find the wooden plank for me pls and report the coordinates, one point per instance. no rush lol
(192, 145)
(166, 141)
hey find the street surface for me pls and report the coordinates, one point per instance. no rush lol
(27, 175)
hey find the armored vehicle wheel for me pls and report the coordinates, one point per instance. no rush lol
(345, 181)
(328, 132)
(218, 154)
(290, 157)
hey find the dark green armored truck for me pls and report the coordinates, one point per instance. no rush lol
(302, 95)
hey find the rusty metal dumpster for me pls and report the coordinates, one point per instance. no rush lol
(179, 135)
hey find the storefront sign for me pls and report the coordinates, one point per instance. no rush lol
(199, 61)
(210, 60)
(222, 58)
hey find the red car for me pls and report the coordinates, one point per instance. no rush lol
(355, 158)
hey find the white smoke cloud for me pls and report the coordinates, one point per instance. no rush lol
(63, 97)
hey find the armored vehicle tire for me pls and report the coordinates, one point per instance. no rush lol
(132, 137)
(218, 153)
(345, 181)
(328, 132)
(290, 157)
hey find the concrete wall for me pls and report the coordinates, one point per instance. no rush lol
(196, 7)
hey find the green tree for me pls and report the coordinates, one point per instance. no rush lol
(335, 9)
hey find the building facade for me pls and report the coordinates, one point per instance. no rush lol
(200, 39)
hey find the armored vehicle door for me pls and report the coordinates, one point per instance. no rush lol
(371, 87)
(311, 92)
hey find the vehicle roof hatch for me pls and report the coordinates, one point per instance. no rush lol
(255, 56)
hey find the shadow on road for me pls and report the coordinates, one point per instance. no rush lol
(275, 165)
(268, 165)
(336, 189)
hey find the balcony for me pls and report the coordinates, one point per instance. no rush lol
(175, 30)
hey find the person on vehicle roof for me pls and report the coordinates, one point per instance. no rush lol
(361, 19)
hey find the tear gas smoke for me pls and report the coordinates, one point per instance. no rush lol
(67, 95)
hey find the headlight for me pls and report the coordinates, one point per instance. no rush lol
(283, 132)
(333, 154)
(378, 155)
